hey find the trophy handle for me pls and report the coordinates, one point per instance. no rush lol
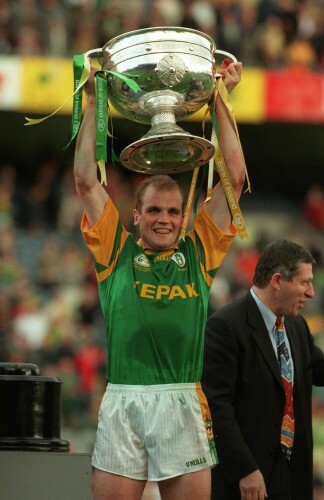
(93, 51)
(102, 55)
(226, 54)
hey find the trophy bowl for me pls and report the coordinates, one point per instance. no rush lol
(175, 69)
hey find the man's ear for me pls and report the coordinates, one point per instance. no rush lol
(136, 215)
(276, 280)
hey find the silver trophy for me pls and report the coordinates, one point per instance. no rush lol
(175, 69)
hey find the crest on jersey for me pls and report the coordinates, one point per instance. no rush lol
(141, 260)
(179, 259)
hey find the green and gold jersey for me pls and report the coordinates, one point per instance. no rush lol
(154, 304)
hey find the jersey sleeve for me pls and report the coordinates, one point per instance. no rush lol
(211, 243)
(105, 239)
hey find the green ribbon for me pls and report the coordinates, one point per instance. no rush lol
(84, 77)
(102, 118)
(81, 72)
(78, 65)
(101, 122)
(127, 78)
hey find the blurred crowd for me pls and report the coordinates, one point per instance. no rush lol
(266, 33)
(49, 309)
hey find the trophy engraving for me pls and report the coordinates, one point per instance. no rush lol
(171, 70)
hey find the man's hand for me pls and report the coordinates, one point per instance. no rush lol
(252, 487)
(231, 73)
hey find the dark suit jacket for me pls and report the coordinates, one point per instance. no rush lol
(243, 385)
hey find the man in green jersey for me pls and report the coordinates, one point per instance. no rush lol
(154, 421)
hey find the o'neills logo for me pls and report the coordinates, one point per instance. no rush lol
(76, 109)
(179, 259)
(101, 125)
(238, 221)
(197, 461)
(142, 261)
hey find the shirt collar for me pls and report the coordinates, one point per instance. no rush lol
(268, 316)
(149, 250)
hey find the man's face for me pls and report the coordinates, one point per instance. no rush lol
(294, 293)
(160, 219)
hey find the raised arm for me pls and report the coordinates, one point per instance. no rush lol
(92, 194)
(217, 207)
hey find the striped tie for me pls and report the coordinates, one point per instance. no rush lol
(285, 363)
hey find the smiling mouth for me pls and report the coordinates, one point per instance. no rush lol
(162, 231)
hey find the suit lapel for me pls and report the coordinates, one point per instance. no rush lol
(260, 335)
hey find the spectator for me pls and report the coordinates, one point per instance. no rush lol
(313, 206)
(256, 32)
(256, 351)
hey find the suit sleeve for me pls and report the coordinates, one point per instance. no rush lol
(316, 358)
(219, 384)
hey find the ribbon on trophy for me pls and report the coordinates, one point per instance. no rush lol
(81, 73)
(218, 163)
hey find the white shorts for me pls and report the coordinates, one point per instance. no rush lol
(154, 432)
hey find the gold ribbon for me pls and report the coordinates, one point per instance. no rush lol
(189, 202)
(219, 161)
(220, 86)
(221, 167)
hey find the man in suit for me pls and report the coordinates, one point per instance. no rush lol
(246, 389)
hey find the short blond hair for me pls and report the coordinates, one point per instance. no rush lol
(159, 182)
